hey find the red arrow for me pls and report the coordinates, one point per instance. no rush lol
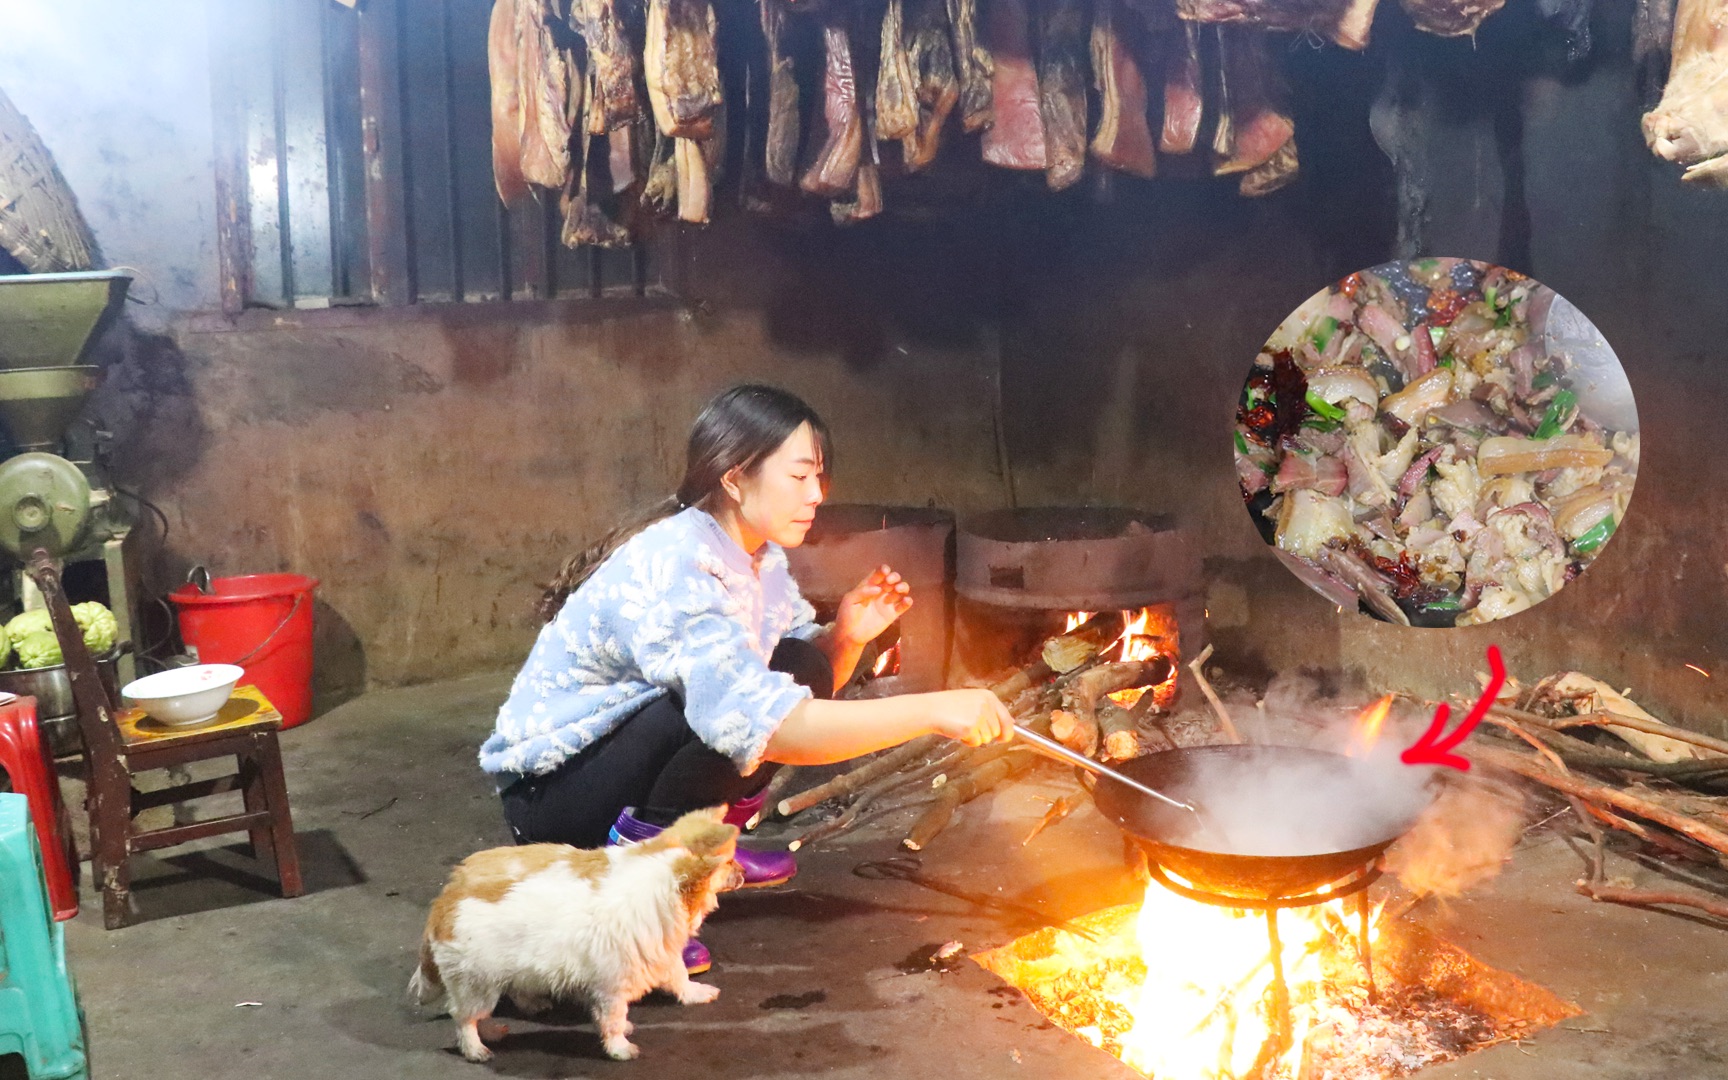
(1431, 749)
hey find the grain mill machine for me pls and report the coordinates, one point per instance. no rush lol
(57, 505)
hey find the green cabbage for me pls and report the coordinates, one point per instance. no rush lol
(28, 623)
(38, 649)
(5, 648)
(98, 626)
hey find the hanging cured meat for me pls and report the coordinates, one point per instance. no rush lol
(1124, 137)
(1015, 138)
(1690, 125)
(682, 67)
(1062, 52)
(973, 65)
(835, 166)
(935, 85)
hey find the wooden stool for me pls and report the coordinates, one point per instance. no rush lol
(245, 729)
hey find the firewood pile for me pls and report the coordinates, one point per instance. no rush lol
(1065, 693)
(1622, 769)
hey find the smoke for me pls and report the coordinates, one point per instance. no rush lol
(1457, 829)
(1282, 801)
(1464, 838)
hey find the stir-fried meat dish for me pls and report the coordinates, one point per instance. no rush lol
(1407, 434)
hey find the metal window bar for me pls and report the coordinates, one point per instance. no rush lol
(331, 121)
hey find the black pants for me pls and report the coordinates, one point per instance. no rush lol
(652, 761)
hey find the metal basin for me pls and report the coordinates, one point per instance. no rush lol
(52, 689)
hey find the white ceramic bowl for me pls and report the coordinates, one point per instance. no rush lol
(182, 697)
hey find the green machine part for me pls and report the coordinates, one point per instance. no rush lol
(44, 503)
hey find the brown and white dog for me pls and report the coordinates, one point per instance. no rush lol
(549, 922)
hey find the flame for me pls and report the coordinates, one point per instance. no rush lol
(888, 663)
(1203, 1011)
(1146, 633)
(1699, 670)
(1076, 619)
(1369, 726)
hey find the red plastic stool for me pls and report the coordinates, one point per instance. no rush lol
(24, 756)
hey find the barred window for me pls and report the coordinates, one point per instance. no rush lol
(354, 164)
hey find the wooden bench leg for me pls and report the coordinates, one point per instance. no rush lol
(269, 762)
(110, 830)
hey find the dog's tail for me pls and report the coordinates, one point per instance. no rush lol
(426, 985)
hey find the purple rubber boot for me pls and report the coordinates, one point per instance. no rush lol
(761, 868)
(746, 813)
(697, 959)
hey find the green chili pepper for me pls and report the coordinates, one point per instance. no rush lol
(1596, 537)
(1241, 444)
(1323, 407)
(1544, 380)
(1320, 423)
(1504, 319)
(1445, 361)
(1436, 334)
(1323, 331)
(1558, 415)
(1448, 604)
(1490, 294)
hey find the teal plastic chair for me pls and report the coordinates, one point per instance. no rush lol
(39, 1015)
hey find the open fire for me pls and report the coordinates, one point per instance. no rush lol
(1179, 989)
(1146, 633)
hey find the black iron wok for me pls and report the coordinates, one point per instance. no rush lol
(1338, 835)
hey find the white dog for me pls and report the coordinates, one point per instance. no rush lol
(546, 922)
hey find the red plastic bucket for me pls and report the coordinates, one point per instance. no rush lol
(263, 622)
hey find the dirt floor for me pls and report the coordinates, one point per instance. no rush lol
(827, 977)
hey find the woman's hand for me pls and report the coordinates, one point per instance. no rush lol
(872, 607)
(974, 717)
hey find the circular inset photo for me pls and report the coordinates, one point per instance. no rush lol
(1437, 442)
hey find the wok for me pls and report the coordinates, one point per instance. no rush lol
(1269, 848)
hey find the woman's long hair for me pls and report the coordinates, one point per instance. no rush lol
(737, 429)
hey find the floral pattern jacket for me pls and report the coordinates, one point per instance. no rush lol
(679, 609)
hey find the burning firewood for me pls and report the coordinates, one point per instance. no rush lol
(1076, 730)
(1091, 687)
(1121, 732)
(1066, 653)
